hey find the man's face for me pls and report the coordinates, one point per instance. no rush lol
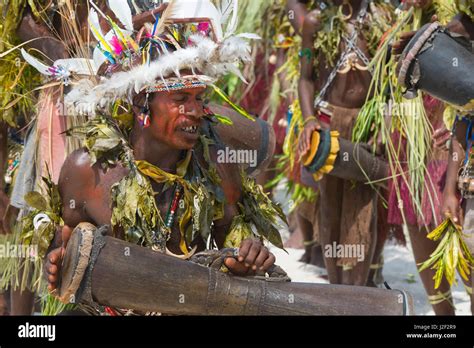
(176, 117)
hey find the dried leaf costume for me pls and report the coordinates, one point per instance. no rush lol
(45, 145)
(192, 35)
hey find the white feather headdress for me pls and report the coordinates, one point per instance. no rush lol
(62, 69)
(212, 56)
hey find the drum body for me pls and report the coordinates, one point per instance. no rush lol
(354, 161)
(124, 275)
(440, 63)
(255, 138)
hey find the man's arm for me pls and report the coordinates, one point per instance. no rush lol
(44, 41)
(451, 204)
(74, 189)
(462, 24)
(253, 255)
(297, 10)
(306, 82)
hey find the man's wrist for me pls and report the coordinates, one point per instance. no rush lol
(309, 119)
(450, 191)
(308, 41)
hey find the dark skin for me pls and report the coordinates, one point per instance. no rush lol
(160, 144)
(451, 205)
(296, 14)
(423, 247)
(347, 90)
(53, 48)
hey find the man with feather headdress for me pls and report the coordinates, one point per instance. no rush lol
(59, 31)
(152, 145)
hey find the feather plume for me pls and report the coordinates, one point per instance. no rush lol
(205, 57)
(42, 68)
(94, 23)
(249, 36)
(80, 66)
(123, 12)
(225, 10)
(165, 17)
(232, 26)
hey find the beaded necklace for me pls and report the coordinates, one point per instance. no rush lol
(170, 216)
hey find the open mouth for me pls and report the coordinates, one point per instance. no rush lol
(190, 129)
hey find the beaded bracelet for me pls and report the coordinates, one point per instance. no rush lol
(306, 52)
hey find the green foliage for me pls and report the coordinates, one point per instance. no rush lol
(17, 78)
(134, 209)
(103, 140)
(31, 276)
(386, 111)
(234, 106)
(451, 253)
(256, 209)
(133, 199)
(465, 6)
(51, 306)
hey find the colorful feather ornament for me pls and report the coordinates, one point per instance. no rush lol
(51, 71)
(211, 55)
(103, 46)
(119, 44)
(94, 23)
(42, 68)
(116, 45)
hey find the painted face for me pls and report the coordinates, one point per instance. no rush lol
(176, 117)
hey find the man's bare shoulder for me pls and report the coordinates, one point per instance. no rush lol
(78, 173)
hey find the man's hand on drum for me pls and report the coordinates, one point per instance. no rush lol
(306, 135)
(253, 257)
(399, 46)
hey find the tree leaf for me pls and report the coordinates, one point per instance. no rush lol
(36, 201)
